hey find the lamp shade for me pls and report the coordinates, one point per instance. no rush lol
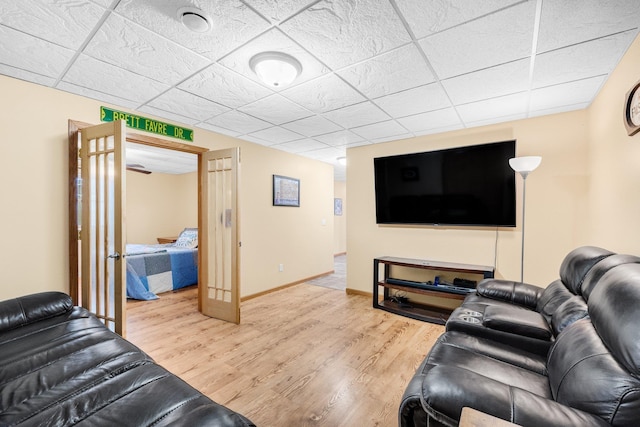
(525, 164)
(275, 69)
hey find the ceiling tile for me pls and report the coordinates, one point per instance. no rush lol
(329, 154)
(426, 18)
(130, 46)
(499, 119)
(233, 23)
(97, 95)
(224, 87)
(357, 115)
(173, 116)
(597, 57)
(324, 94)
(431, 120)
(488, 83)
(109, 79)
(563, 23)
(61, 22)
(40, 57)
(187, 104)
(160, 159)
(380, 130)
(300, 146)
(392, 138)
(103, 3)
(274, 40)
(276, 135)
(413, 101)
(343, 137)
(394, 71)
(275, 109)
(218, 129)
(439, 130)
(341, 33)
(581, 91)
(239, 122)
(557, 110)
(312, 126)
(482, 43)
(28, 76)
(276, 11)
(495, 107)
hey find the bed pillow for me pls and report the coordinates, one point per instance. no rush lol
(187, 239)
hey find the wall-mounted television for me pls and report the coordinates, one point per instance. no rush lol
(471, 186)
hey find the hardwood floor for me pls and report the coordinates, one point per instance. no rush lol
(302, 356)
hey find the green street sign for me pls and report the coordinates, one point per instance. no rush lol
(148, 125)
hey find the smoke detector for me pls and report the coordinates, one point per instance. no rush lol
(194, 19)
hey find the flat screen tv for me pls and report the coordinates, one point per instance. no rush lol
(471, 186)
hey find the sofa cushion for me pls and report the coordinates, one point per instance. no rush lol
(517, 321)
(584, 375)
(614, 308)
(553, 297)
(568, 312)
(592, 278)
(518, 293)
(70, 369)
(32, 308)
(577, 263)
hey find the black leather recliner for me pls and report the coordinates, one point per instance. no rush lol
(59, 365)
(526, 315)
(590, 376)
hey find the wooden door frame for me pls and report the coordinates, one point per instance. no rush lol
(74, 145)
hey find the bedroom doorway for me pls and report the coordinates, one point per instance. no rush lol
(218, 257)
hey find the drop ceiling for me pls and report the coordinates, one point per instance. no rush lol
(372, 70)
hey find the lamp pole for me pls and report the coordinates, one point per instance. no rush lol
(524, 201)
(524, 166)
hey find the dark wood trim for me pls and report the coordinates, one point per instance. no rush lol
(74, 275)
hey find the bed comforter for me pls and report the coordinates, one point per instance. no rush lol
(152, 269)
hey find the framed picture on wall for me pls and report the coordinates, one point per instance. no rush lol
(286, 191)
(337, 207)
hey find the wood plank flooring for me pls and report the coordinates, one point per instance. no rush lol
(302, 356)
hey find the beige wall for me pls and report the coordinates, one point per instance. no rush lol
(586, 191)
(33, 172)
(340, 221)
(614, 189)
(555, 199)
(160, 205)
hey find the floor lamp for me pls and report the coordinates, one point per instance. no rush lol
(524, 166)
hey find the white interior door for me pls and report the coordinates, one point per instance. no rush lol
(219, 245)
(102, 228)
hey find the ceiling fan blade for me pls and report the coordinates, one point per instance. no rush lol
(138, 168)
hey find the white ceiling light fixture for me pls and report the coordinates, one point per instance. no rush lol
(194, 19)
(342, 161)
(275, 69)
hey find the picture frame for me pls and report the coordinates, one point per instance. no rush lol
(286, 191)
(337, 206)
(631, 114)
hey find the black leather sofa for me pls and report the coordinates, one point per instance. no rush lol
(60, 366)
(584, 370)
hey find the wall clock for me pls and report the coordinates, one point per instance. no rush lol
(632, 110)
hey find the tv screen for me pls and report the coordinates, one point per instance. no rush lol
(471, 185)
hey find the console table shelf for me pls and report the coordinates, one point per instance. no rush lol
(414, 309)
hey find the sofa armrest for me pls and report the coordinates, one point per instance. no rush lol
(517, 321)
(32, 308)
(447, 389)
(523, 294)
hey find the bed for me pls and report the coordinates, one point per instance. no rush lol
(153, 269)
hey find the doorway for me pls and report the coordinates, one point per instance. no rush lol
(218, 223)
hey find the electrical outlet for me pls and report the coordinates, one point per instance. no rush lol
(281, 268)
